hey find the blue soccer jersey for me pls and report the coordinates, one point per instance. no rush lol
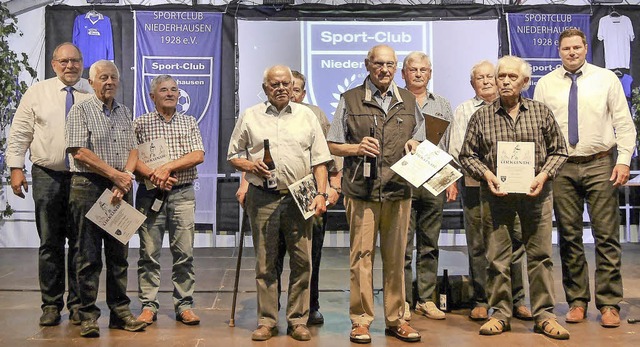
(92, 34)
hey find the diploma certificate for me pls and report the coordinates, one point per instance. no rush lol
(516, 166)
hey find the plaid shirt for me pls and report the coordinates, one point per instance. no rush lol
(492, 123)
(181, 133)
(107, 134)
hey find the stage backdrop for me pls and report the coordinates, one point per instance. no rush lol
(187, 46)
(534, 37)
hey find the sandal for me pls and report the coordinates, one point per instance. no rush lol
(360, 333)
(552, 329)
(494, 327)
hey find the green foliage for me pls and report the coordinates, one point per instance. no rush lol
(11, 88)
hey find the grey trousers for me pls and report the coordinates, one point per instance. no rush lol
(535, 217)
(575, 184)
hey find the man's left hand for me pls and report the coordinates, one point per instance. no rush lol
(452, 192)
(319, 204)
(620, 175)
(117, 196)
(538, 184)
(410, 146)
(333, 196)
(160, 175)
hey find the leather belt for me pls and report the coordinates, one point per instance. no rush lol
(588, 158)
(272, 191)
(180, 186)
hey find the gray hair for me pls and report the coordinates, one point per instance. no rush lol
(416, 55)
(265, 75)
(525, 67)
(373, 49)
(472, 75)
(159, 79)
(93, 70)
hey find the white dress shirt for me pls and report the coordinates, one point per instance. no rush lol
(38, 124)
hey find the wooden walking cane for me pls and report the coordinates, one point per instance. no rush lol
(232, 322)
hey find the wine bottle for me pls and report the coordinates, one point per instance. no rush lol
(269, 182)
(371, 164)
(158, 199)
(444, 292)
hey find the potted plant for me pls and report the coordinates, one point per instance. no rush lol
(11, 88)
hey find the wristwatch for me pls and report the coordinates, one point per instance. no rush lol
(325, 195)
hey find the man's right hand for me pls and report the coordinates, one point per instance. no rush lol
(18, 182)
(369, 146)
(494, 183)
(259, 168)
(122, 180)
(241, 193)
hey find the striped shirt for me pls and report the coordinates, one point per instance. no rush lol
(492, 123)
(107, 134)
(181, 133)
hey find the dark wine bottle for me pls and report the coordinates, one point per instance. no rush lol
(444, 292)
(269, 182)
(158, 199)
(371, 164)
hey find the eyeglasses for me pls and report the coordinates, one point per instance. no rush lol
(381, 64)
(65, 62)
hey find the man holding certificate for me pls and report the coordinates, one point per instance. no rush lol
(511, 136)
(170, 148)
(100, 138)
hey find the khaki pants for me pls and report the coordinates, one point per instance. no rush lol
(391, 219)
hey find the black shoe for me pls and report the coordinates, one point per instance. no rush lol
(315, 318)
(89, 328)
(50, 316)
(128, 323)
(74, 316)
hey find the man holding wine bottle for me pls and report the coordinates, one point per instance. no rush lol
(377, 200)
(168, 203)
(296, 148)
(426, 208)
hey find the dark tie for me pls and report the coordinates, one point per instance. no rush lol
(573, 109)
(69, 101)
(67, 106)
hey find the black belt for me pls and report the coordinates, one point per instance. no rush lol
(180, 186)
(272, 191)
(588, 158)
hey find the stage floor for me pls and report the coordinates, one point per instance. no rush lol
(215, 269)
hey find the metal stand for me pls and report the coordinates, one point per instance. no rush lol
(232, 321)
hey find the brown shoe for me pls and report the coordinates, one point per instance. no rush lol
(479, 313)
(403, 332)
(576, 314)
(360, 333)
(522, 313)
(552, 329)
(188, 317)
(299, 332)
(147, 316)
(610, 317)
(263, 333)
(494, 326)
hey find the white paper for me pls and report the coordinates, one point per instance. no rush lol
(154, 153)
(120, 220)
(303, 192)
(442, 179)
(516, 166)
(419, 167)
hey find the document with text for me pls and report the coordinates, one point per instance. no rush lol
(154, 153)
(516, 166)
(417, 168)
(120, 220)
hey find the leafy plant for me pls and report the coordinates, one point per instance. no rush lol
(11, 88)
(635, 102)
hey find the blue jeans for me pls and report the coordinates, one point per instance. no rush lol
(177, 216)
(51, 198)
(85, 191)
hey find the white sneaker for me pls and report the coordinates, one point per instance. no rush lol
(430, 310)
(407, 312)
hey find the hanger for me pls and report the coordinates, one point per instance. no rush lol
(618, 72)
(613, 12)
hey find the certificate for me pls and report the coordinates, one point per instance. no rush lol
(303, 192)
(154, 153)
(442, 179)
(516, 166)
(419, 167)
(120, 220)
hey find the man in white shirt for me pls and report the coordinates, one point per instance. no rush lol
(38, 126)
(603, 125)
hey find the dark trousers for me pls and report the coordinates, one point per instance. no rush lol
(85, 191)
(319, 227)
(51, 198)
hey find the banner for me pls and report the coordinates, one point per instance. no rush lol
(534, 37)
(187, 46)
(334, 54)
